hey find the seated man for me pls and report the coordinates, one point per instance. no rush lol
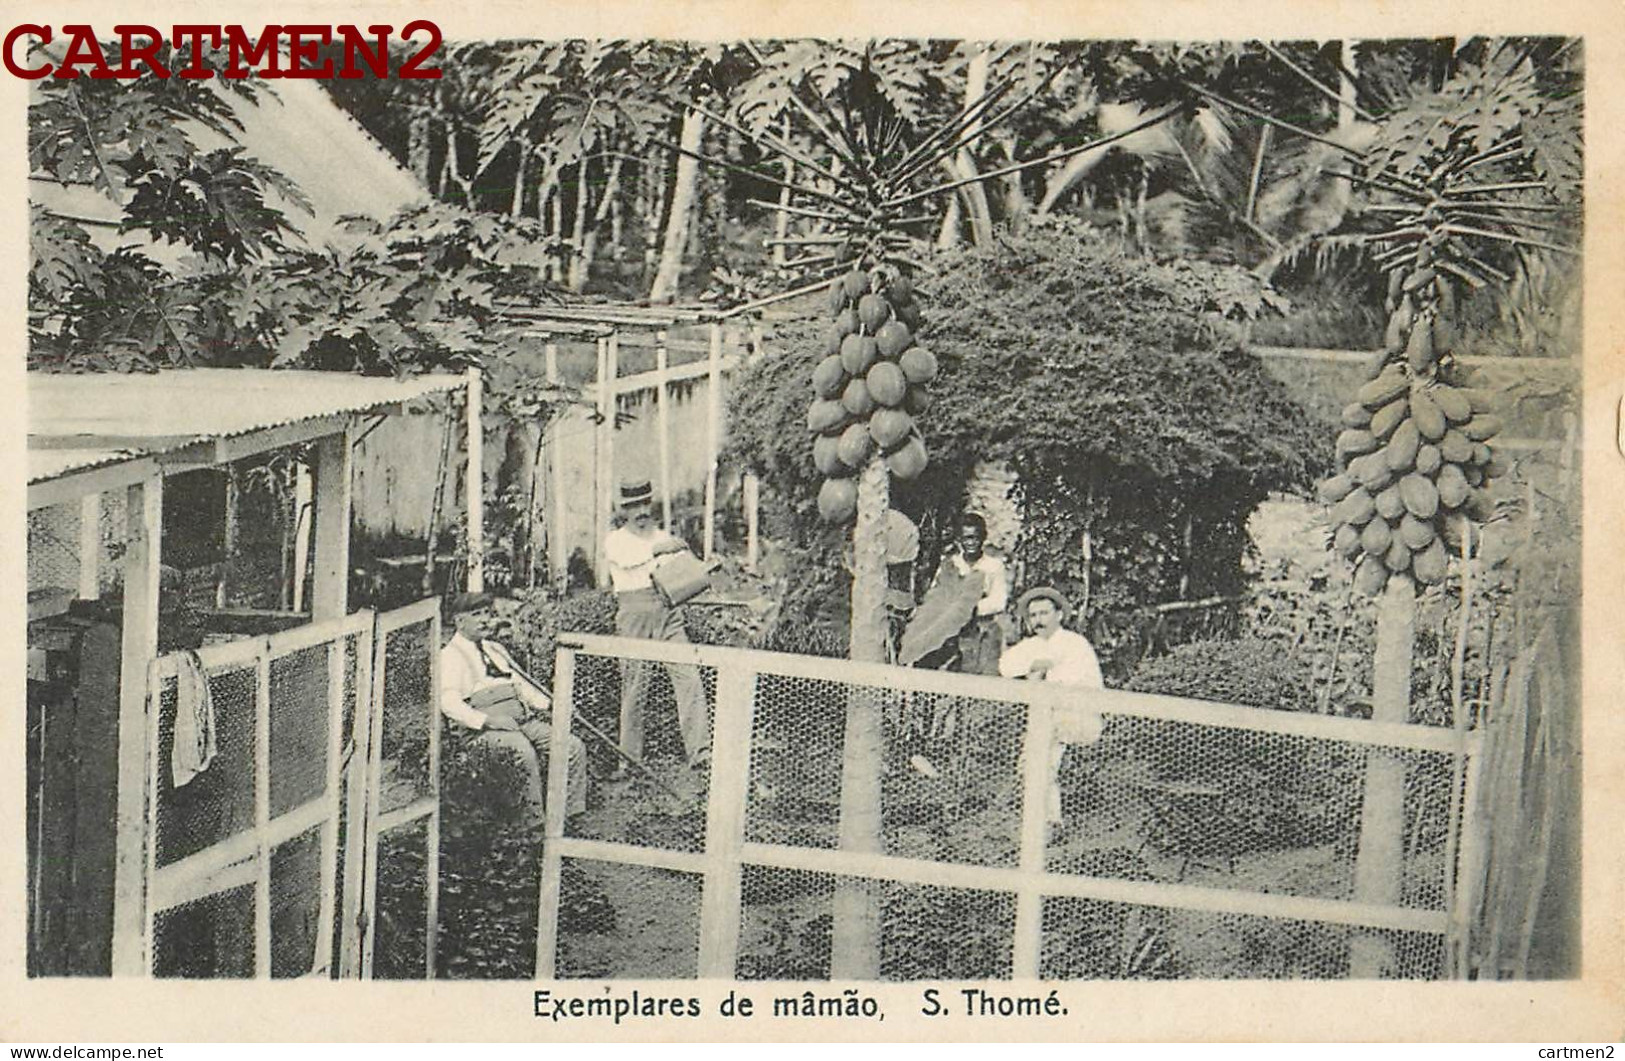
(488, 705)
(1054, 654)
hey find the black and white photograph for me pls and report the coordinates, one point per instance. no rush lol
(931, 519)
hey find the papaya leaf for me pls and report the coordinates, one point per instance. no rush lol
(948, 605)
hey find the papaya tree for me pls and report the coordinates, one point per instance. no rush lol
(1460, 181)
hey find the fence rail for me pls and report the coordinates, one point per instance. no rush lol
(1027, 872)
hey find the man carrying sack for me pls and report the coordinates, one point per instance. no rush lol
(634, 551)
(489, 705)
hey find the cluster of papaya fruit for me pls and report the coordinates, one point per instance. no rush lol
(868, 386)
(1414, 450)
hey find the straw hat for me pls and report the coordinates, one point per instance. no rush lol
(1049, 593)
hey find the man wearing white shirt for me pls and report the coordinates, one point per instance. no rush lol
(633, 551)
(1054, 654)
(486, 703)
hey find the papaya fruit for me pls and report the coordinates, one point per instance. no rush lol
(887, 384)
(1456, 447)
(837, 295)
(1430, 565)
(1396, 280)
(1480, 505)
(833, 336)
(1389, 417)
(1480, 400)
(1335, 489)
(916, 401)
(1398, 557)
(855, 445)
(890, 428)
(1421, 497)
(837, 500)
(1420, 278)
(1393, 340)
(873, 311)
(894, 338)
(1419, 346)
(1372, 472)
(829, 378)
(1347, 541)
(909, 314)
(856, 398)
(918, 364)
(1390, 384)
(1403, 447)
(855, 285)
(1447, 296)
(1373, 366)
(1356, 415)
(1473, 473)
(826, 455)
(909, 459)
(858, 352)
(1356, 509)
(1451, 402)
(1415, 533)
(1481, 454)
(1429, 420)
(1452, 486)
(1482, 427)
(1496, 466)
(826, 417)
(1355, 442)
(1376, 537)
(900, 289)
(847, 321)
(1428, 458)
(1444, 336)
(1389, 504)
(1371, 576)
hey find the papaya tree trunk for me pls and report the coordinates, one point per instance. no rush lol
(1379, 864)
(855, 946)
(578, 237)
(606, 210)
(670, 269)
(417, 145)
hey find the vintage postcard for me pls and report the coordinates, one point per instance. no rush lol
(736, 522)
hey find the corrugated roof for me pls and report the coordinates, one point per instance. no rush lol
(76, 422)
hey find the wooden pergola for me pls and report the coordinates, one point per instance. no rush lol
(93, 434)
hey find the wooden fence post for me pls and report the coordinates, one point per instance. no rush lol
(663, 425)
(713, 437)
(547, 904)
(725, 823)
(474, 483)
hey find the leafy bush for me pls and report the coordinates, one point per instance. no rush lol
(1252, 672)
(1115, 387)
(1280, 791)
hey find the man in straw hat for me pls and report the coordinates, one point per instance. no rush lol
(488, 704)
(633, 551)
(1052, 653)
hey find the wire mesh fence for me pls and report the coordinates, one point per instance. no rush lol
(1015, 830)
(244, 776)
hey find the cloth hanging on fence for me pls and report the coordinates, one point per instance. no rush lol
(195, 746)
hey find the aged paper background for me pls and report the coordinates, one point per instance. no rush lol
(1590, 1009)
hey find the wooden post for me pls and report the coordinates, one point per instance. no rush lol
(262, 817)
(663, 424)
(143, 547)
(555, 478)
(713, 436)
(302, 494)
(228, 563)
(547, 905)
(330, 827)
(90, 546)
(1380, 863)
(603, 488)
(431, 870)
(753, 502)
(474, 482)
(330, 591)
(1347, 92)
(725, 824)
(1035, 780)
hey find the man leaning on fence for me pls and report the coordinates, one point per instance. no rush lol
(493, 709)
(633, 551)
(1052, 653)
